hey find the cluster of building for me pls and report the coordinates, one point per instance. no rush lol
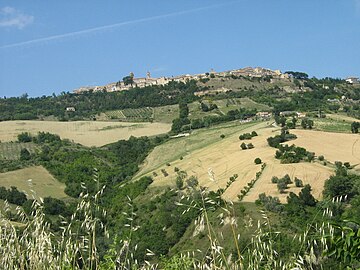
(257, 72)
(149, 81)
(352, 80)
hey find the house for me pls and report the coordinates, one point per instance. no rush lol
(70, 109)
(352, 80)
(287, 113)
(263, 114)
(300, 114)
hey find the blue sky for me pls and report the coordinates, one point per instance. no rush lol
(53, 46)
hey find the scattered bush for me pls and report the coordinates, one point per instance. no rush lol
(250, 146)
(287, 179)
(179, 182)
(298, 182)
(192, 182)
(257, 161)
(274, 180)
(282, 185)
(243, 146)
(164, 172)
(247, 136)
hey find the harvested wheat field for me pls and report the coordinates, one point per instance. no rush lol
(333, 146)
(34, 181)
(224, 158)
(88, 133)
(310, 173)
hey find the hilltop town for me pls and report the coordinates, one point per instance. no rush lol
(148, 80)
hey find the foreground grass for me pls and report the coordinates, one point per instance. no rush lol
(35, 246)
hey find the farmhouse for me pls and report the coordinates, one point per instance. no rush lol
(70, 109)
(264, 115)
(287, 113)
(300, 114)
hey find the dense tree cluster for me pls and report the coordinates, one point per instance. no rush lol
(298, 75)
(284, 136)
(248, 136)
(206, 108)
(307, 123)
(13, 195)
(355, 127)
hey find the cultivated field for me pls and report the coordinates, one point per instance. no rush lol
(330, 124)
(35, 182)
(203, 151)
(310, 173)
(333, 146)
(226, 105)
(165, 114)
(89, 133)
(141, 114)
(173, 150)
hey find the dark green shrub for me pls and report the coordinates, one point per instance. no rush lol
(257, 161)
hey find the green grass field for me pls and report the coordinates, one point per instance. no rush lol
(141, 114)
(242, 84)
(35, 182)
(226, 105)
(11, 151)
(332, 125)
(166, 114)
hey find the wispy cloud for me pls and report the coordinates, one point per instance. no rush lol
(111, 26)
(11, 17)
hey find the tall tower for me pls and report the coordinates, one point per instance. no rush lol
(148, 75)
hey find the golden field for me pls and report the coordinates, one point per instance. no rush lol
(35, 182)
(88, 133)
(333, 146)
(225, 158)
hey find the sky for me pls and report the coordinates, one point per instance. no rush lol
(54, 46)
